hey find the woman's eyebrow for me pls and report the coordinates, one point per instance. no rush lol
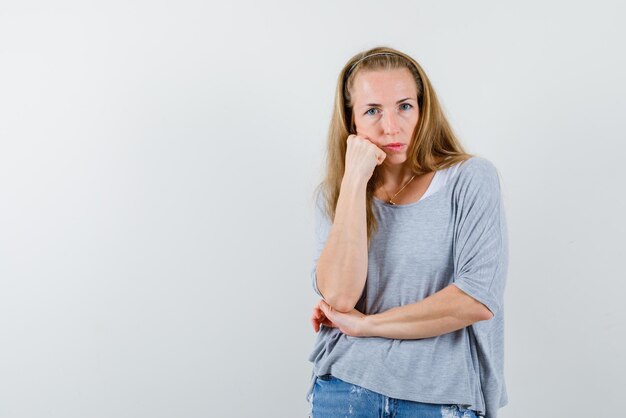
(399, 101)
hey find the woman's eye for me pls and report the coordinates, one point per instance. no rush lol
(368, 112)
(406, 104)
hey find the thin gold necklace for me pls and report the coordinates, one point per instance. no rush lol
(391, 198)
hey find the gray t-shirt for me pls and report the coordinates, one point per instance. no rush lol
(455, 234)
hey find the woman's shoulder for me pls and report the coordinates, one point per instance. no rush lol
(477, 167)
(477, 174)
(477, 163)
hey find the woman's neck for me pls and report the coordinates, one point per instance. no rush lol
(395, 175)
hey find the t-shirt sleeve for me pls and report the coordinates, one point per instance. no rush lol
(480, 235)
(322, 228)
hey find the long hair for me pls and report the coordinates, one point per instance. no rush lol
(433, 146)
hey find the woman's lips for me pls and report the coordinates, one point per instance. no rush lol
(394, 147)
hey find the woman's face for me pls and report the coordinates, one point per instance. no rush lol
(385, 109)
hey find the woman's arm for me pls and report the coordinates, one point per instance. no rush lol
(445, 311)
(342, 265)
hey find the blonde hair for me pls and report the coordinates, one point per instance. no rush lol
(434, 145)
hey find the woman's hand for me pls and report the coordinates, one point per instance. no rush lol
(319, 317)
(362, 157)
(351, 323)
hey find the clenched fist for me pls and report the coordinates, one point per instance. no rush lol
(362, 157)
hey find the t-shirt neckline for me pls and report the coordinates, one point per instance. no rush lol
(425, 195)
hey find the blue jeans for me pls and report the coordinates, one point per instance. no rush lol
(332, 398)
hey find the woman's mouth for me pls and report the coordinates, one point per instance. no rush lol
(394, 147)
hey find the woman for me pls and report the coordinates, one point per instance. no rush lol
(411, 257)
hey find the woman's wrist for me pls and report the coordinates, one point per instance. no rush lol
(368, 326)
(354, 182)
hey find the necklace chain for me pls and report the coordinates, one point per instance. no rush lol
(391, 198)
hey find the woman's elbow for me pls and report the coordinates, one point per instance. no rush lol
(341, 304)
(339, 301)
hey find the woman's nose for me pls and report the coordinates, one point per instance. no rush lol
(390, 124)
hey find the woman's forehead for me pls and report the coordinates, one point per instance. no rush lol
(384, 86)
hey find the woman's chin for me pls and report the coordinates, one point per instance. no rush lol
(395, 159)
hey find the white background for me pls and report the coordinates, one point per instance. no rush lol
(157, 164)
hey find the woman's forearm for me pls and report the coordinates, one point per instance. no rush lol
(445, 311)
(342, 265)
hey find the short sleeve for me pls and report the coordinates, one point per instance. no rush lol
(480, 244)
(322, 226)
